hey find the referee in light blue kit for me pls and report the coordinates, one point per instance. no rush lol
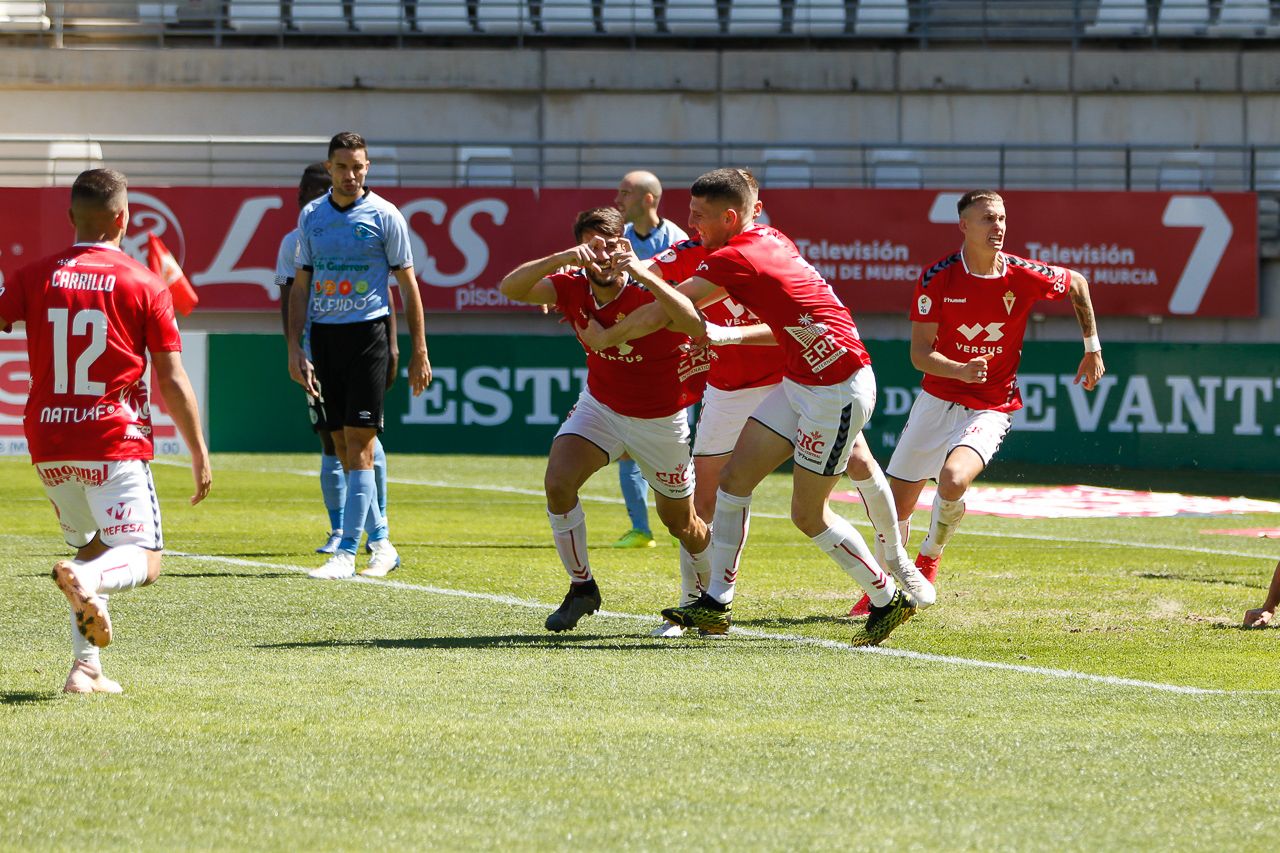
(638, 196)
(349, 242)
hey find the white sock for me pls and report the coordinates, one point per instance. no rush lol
(943, 522)
(569, 530)
(846, 547)
(877, 499)
(80, 646)
(118, 570)
(728, 535)
(693, 571)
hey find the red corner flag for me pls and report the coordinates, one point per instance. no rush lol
(162, 264)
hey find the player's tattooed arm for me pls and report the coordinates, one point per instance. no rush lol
(1091, 368)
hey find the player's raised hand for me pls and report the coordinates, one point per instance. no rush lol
(1090, 371)
(586, 256)
(974, 371)
(623, 256)
(302, 372)
(419, 373)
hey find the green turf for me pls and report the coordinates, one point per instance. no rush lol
(266, 710)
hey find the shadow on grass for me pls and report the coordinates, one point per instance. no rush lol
(1174, 576)
(251, 575)
(27, 697)
(577, 641)
(792, 621)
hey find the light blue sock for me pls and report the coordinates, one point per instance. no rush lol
(379, 478)
(360, 497)
(634, 489)
(333, 486)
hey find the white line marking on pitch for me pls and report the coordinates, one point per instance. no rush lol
(796, 639)
(513, 490)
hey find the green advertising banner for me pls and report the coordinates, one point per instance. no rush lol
(1211, 406)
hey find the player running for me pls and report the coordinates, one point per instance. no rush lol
(967, 325)
(634, 402)
(92, 314)
(814, 416)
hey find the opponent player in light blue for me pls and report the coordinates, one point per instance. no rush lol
(638, 196)
(349, 242)
(333, 480)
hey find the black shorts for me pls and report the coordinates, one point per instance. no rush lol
(351, 362)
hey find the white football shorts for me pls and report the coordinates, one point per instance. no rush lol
(935, 428)
(115, 499)
(659, 446)
(722, 417)
(820, 421)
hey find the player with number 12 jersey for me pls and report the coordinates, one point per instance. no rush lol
(90, 313)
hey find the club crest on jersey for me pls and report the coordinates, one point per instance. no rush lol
(924, 304)
(1008, 301)
(363, 232)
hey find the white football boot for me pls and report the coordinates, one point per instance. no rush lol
(385, 559)
(341, 565)
(87, 678)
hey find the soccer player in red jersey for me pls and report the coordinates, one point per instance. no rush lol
(967, 325)
(92, 314)
(634, 402)
(814, 416)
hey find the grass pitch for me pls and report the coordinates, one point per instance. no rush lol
(1080, 685)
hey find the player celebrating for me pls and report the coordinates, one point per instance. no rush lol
(92, 314)
(814, 416)
(350, 242)
(634, 402)
(639, 194)
(333, 480)
(967, 325)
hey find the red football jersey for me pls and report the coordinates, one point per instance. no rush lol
(650, 377)
(983, 315)
(762, 269)
(733, 367)
(92, 312)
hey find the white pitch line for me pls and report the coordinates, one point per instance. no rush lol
(513, 490)
(512, 601)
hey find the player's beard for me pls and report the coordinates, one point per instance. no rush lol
(611, 280)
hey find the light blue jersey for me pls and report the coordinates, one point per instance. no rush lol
(665, 235)
(350, 253)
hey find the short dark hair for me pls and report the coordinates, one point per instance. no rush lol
(750, 179)
(975, 196)
(315, 182)
(724, 185)
(603, 220)
(348, 140)
(104, 189)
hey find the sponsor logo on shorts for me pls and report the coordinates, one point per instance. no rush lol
(56, 475)
(120, 511)
(810, 442)
(679, 477)
(128, 527)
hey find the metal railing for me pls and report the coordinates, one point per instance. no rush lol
(289, 22)
(45, 160)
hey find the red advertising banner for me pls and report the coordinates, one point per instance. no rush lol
(1144, 253)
